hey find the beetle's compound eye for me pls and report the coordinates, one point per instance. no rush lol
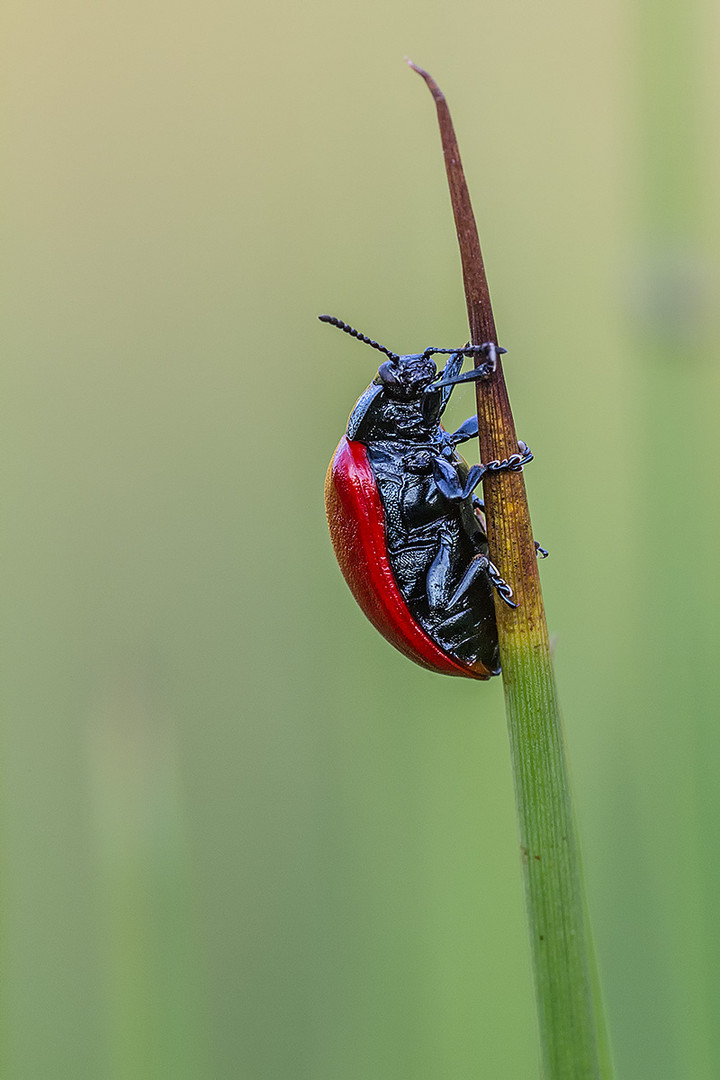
(387, 373)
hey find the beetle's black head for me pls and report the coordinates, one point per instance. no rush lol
(399, 403)
(406, 377)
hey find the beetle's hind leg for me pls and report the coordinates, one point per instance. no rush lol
(480, 564)
(438, 576)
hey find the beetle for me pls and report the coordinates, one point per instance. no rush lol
(408, 532)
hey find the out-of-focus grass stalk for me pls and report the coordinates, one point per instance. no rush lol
(559, 935)
(674, 341)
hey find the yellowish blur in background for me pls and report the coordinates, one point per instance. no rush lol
(242, 837)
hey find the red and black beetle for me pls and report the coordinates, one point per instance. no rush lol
(408, 532)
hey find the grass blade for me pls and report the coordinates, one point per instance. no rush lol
(562, 957)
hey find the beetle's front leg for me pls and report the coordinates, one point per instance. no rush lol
(450, 371)
(452, 365)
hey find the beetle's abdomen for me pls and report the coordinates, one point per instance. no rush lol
(356, 517)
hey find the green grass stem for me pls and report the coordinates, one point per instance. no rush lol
(561, 949)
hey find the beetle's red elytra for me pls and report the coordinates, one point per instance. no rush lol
(357, 528)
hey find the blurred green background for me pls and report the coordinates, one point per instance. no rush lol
(241, 836)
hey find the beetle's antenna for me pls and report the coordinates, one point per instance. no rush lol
(356, 334)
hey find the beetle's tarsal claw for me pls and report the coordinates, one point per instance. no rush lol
(500, 585)
(514, 463)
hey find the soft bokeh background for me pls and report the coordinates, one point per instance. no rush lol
(241, 836)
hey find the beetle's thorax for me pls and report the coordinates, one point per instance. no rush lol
(400, 420)
(400, 403)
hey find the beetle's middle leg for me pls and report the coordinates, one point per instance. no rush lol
(448, 481)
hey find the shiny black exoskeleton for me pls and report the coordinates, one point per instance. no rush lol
(434, 525)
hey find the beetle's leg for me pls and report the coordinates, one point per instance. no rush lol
(436, 584)
(468, 430)
(480, 564)
(489, 350)
(500, 585)
(448, 481)
(541, 552)
(450, 371)
(514, 463)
